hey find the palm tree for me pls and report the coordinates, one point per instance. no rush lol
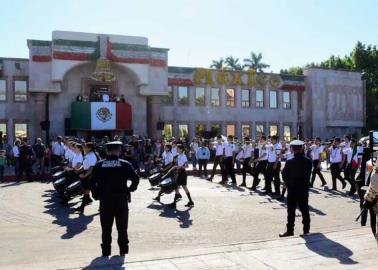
(218, 64)
(233, 63)
(255, 62)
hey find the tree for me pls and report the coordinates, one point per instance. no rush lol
(233, 63)
(220, 64)
(292, 71)
(254, 61)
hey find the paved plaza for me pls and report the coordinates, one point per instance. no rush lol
(229, 228)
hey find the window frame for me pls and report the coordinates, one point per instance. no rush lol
(178, 129)
(291, 131)
(5, 122)
(249, 127)
(195, 129)
(270, 99)
(220, 127)
(259, 104)
(263, 126)
(5, 78)
(278, 129)
(249, 98)
(204, 96)
(219, 96)
(231, 124)
(16, 122)
(187, 94)
(23, 79)
(165, 100)
(284, 104)
(234, 100)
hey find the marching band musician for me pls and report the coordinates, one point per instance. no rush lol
(274, 166)
(317, 159)
(261, 163)
(229, 155)
(218, 160)
(247, 151)
(337, 160)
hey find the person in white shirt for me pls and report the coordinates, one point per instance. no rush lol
(167, 156)
(16, 156)
(77, 160)
(174, 149)
(274, 166)
(317, 159)
(247, 152)
(193, 151)
(181, 176)
(203, 156)
(218, 160)
(353, 163)
(229, 156)
(337, 160)
(90, 160)
(261, 163)
(57, 151)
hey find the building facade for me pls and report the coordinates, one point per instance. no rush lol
(84, 85)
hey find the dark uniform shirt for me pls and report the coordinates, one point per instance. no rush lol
(110, 177)
(296, 175)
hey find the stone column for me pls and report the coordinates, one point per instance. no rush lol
(153, 116)
(40, 115)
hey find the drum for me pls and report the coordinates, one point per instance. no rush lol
(73, 190)
(153, 171)
(58, 175)
(56, 169)
(167, 185)
(60, 184)
(154, 179)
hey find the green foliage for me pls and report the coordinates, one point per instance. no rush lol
(220, 64)
(292, 71)
(233, 63)
(254, 61)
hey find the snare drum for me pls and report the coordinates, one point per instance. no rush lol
(74, 190)
(56, 169)
(154, 179)
(58, 175)
(60, 184)
(167, 185)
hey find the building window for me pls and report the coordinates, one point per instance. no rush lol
(230, 100)
(259, 99)
(20, 90)
(183, 97)
(287, 133)
(230, 130)
(216, 129)
(200, 130)
(3, 129)
(300, 100)
(246, 99)
(168, 99)
(167, 131)
(246, 131)
(273, 130)
(3, 90)
(286, 100)
(183, 130)
(259, 130)
(200, 96)
(273, 99)
(20, 130)
(215, 97)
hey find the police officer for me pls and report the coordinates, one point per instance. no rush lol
(296, 175)
(109, 178)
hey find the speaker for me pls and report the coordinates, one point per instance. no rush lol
(45, 125)
(160, 125)
(67, 123)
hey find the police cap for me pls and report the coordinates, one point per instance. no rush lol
(297, 143)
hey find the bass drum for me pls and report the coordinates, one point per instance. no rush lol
(58, 175)
(60, 184)
(56, 169)
(73, 190)
(154, 179)
(167, 185)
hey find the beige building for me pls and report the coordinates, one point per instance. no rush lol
(84, 84)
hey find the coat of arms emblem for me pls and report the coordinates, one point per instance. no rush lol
(103, 114)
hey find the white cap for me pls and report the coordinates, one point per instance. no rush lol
(297, 143)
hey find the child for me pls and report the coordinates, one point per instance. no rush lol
(2, 164)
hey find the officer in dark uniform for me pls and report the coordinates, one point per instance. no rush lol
(296, 175)
(110, 178)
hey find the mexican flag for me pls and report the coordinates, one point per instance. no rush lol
(100, 115)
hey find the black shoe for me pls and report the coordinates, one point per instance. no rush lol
(253, 188)
(344, 184)
(281, 198)
(305, 233)
(323, 184)
(209, 179)
(157, 199)
(106, 251)
(124, 251)
(267, 192)
(172, 205)
(179, 196)
(286, 234)
(189, 204)
(80, 209)
(243, 185)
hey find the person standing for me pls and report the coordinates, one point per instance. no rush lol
(193, 152)
(109, 179)
(229, 155)
(353, 163)
(261, 163)
(26, 154)
(57, 152)
(39, 155)
(317, 159)
(296, 176)
(218, 159)
(370, 200)
(274, 166)
(337, 160)
(16, 156)
(2, 164)
(203, 156)
(247, 151)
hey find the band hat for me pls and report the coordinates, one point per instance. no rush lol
(297, 143)
(114, 143)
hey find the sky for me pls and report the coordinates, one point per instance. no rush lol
(287, 32)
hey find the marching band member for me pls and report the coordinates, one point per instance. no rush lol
(218, 160)
(229, 155)
(274, 166)
(352, 162)
(261, 163)
(247, 151)
(317, 159)
(337, 160)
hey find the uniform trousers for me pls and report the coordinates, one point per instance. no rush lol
(229, 170)
(300, 201)
(202, 163)
(217, 161)
(114, 208)
(246, 168)
(273, 175)
(336, 174)
(260, 168)
(316, 171)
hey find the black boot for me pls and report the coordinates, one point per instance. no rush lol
(289, 232)
(157, 198)
(243, 184)
(85, 201)
(173, 205)
(190, 203)
(106, 250)
(123, 250)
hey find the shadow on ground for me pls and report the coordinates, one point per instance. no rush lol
(182, 217)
